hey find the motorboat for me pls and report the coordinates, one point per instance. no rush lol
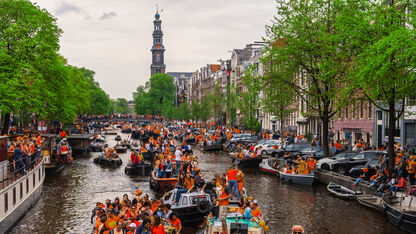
(304, 179)
(212, 147)
(400, 210)
(97, 146)
(112, 162)
(162, 184)
(117, 138)
(341, 191)
(232, 221)
(270, 165)
(80, 144)
(250, 162)
(54, 160)
(192, 208)
(121, 149)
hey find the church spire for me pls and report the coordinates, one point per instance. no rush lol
(158, 50)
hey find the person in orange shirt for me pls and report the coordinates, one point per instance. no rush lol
(175, 222)
(224, 193)
(412, 170)
(157, 227)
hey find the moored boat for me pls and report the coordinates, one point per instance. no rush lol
(250, 162)
(80, 144)
(269, 165)
(117, 138)
(213, 147)
(304, 179)
(162, 184)
(371, 201)
(341, 191)
(121, 149)
(400, 210)
(56, 157)
(17, 193)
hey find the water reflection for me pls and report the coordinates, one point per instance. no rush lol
(68, 198)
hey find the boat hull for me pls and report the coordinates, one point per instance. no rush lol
(108, 162)
(298, 179)
(403, 220)
(54, 168)
(140, 169)
(266, 168)
(162, 184)
(249, 162)
(191, 217)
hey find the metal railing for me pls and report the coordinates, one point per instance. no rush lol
(16, 169)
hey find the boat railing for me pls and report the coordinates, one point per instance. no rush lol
(14, 170)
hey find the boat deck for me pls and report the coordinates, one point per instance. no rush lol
(408, 203)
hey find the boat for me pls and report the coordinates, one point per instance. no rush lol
(249, 162)
(80, 144)
(17, 194)
(371, 201)
(121, 149)
(234, 222)
(54, 161)
(400, 210)
(117, 138)
(148, 156)
(97, 146)
(190, 141)
(102, 160)
(135, 134)
(192, 208)
(162, 184)
(341, 191)
(270, 165)
(126, 130)
(143, 169)
(110, 133)
(304, 179)
(213, 147)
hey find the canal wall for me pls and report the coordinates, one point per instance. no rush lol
(326, 177)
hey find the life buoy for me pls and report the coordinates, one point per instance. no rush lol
(203, 206)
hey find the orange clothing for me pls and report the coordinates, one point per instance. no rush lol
(158, 230)
(176, 223)
(256, 212)
(189, 183)
(224, 202)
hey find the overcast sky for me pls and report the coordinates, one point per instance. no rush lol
(114, 37)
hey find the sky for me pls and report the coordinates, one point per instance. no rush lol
(114, 37)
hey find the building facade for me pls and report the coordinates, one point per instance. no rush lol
(158, 50)
(180, 79)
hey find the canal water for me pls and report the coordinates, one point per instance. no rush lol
(68, 198)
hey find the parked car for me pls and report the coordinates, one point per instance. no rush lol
(292, 148)
(237, 137)
(356, 171)
(344, 166)
(268, 146)
(253, 139)
(327, 163)
(314, 151)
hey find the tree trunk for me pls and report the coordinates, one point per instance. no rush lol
(325, 141)
(282, 121)
(392, 120)
(6, 124)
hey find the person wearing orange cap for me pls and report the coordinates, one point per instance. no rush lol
(412, 170)
(361, 177)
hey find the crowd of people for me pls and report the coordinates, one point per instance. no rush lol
(23, 153)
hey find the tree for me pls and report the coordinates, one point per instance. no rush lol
(99, 102)
(250, 103)
(29, 38)
(157, 97)
(313, 52)
(216, 103)
(383, 70)
(121, 106)
(195, 110)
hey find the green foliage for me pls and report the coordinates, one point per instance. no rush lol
(121, 106)
(156, 97)
(249, 102)
(100, 103)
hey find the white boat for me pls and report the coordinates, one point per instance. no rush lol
(341, 191)
(304, 179)
(17, 194)
(269, 165)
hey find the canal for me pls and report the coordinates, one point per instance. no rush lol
(68, 198)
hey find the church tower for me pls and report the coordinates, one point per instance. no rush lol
(158, 50)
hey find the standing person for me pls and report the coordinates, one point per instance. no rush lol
(157, 227)
(412, 170)
(232, 182)
(144, 228)
(224, 194)
(178, 155)
(118, 229)
(18, 159)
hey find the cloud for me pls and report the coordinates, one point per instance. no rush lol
(108, 15)
(65, 8)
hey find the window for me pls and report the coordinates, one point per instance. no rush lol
(184, 200)
(6, 201)
(27, 185)
(346, 112)
(34, 179)
(14, 195)
(397, 125)
(379, 115)
(361, 110)
(21, 190)
(353, 112)
(370, 110)
(39, 175)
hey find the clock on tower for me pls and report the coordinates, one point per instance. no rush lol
(158, 50)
